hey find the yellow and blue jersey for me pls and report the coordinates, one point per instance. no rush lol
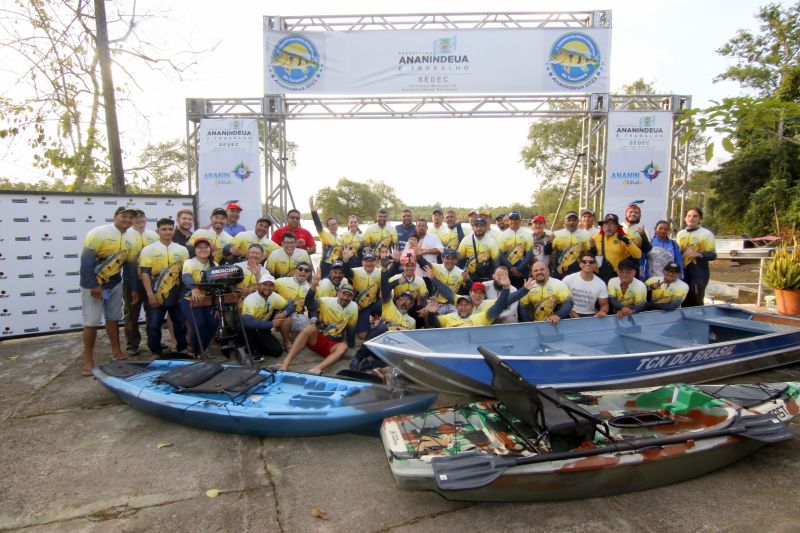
(217, 240)
(543, 300)
(451, 278)
(156, 257)
(260, 308)
(664, 294)
(335, 319)
(476, 256)
(250, 280)
(416, 286)
(366, 285)
(515, 244)
(376, 236)
(244, 239)
(394, 319)
(448, 236)
(103, 243)
(280, 264)
(635, 295)
(567, 247)
(192, 268)
(292, 291)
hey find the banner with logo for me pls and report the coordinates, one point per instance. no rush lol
(40, 245)
(637, 164)
(229, 168)
(487, 61)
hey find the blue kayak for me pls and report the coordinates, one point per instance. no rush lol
(234, 399)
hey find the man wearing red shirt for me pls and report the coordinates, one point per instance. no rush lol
(305, 241)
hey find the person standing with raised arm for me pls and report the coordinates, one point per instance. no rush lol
(698, 246)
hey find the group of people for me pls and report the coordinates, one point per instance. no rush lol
(416, 274)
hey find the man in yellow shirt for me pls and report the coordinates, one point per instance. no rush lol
(611, 246)
(262, 311)
(162, 263)
(215, 234)
(667, 292)
(478, 252)
(380, 234)
(547, 299)
(282, 261)
(327, 333)
(566, 247)
(241, 242)
(516, 244)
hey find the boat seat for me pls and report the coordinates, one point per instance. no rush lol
(545, 410)
(735, 323)
(663, 340)
(230, 380)
(572, 348)
(187, 376)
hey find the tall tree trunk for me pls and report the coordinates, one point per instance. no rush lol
(114, 149)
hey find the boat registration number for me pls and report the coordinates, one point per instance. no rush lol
(780, 412)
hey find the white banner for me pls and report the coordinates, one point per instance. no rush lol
(488, 61)
(41, 237)
(229, 168)
(637, 164)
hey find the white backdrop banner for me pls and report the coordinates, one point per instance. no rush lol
(637, 164)
(229, 168)
(524, 60)
(41, 237)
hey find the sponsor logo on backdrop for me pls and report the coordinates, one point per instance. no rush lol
(631, 177)
(31, 330)
(3, 294)
(295, 63)
(88, 201)
(52, 309)
(44, 200)
(151, 203)
(242, 171)
(575, 61)
(76, 325)
(73, 291)
(30, 312)
(54, 326)
(47, 255)
(51, 291)
(75, 308)
(68, 219)
(5, 312)
(431, 69)
(67, 202)
(46, 237)
(69, 238)
(25, 276)
(651, 171)
(639, 135)
(19, 200)
(24, 257)
(2, 257)
(8, 331)
(3, 275)
(44, 219)
(70, 256)
(109, 202)
(90, 218)
(22, 239)
(21, 219)
(49, 274)
(71, 273)
(27, 294)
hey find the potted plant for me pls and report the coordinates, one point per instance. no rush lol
(782, 274)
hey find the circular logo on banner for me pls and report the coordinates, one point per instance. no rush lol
(574, 61)
(295, 64)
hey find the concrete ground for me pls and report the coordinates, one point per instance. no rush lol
(77, 459)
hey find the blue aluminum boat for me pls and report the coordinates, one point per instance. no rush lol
(234, 399)
(691, 345)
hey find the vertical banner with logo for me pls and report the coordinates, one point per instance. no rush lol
(637, 164)
(41, 238)
(452, 61)
(229, 168)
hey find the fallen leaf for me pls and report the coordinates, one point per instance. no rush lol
(212, 493)
(163, 445)
(316, 512)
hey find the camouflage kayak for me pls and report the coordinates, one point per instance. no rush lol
(536, 444)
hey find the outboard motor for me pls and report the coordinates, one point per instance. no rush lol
(221, 277)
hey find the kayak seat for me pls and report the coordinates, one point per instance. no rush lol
(234, 380)
(121, 369)
(187, 376)
(546, 411)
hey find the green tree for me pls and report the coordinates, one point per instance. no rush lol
(162, 167)
(350, 197)
(55, 105)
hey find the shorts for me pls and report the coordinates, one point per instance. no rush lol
(323, 345)
(299, 323)
(109, 306)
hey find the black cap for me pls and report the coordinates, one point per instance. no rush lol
(628, 264)
(611, 217)
(219, 211)
(449, 252)
(337, 264)
(479, 220)
(437, 212)
(673, 266)
(368, 255)
(268, 221)
(514, 214)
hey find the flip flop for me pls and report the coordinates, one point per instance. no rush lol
(86, 373)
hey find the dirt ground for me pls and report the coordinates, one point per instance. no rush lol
(725, 277)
